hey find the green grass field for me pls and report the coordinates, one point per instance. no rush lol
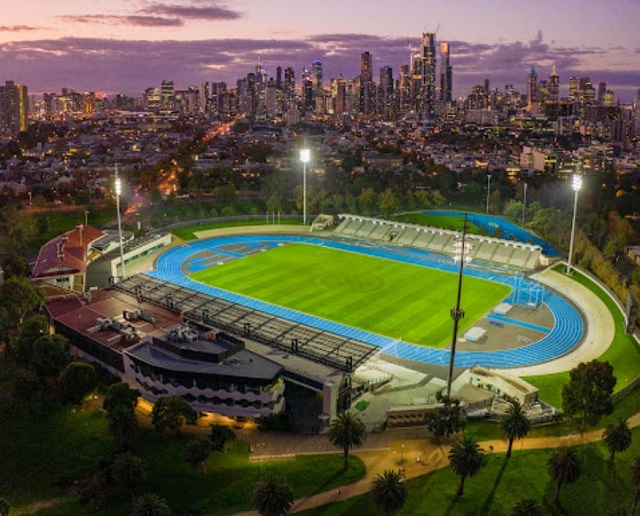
(382, 296)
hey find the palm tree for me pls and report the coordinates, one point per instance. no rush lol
(347, 431)
(527, 507)
(272, 497)
(389, 492)
(565, 468)
(515, 424)
(617, 437)
(466, 459)
(635, 482)
(150, 504)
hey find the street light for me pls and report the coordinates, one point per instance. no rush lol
(524, 203)
(305, 156)
(576, 184)
(118, 192)
(462, 254)
(488, 191)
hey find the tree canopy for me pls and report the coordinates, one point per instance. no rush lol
(587, 396)
(346, 431)
(272, 497)
(171, 413)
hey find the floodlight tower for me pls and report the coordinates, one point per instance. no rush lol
(488, 191)
(576, 184)
(305, 156)
(462, 254)
(524, 204)
(118, 184)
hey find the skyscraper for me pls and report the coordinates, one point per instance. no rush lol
(553, 86)
(426, 69)
(167, 96)
(445, 73)
(14, 108)
(532, 90)
(366, 67)
(316, 76)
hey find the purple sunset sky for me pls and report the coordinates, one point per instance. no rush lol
(125, 46)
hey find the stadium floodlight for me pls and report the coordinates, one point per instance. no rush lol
(576, 184)
(305, 156)
(488, 191)
(462, 254)
(118, 185)
(524, 203)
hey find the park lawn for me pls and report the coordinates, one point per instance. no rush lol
(42, 457)
(602, 487)
(387, 297)
(188, 232)
(623, 354)
(438, 221)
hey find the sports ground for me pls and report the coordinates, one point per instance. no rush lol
(397, 299)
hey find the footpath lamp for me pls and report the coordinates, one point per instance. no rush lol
(462, 254)
(488, 191)
(118, 193)
(576, 184)
(305, 156)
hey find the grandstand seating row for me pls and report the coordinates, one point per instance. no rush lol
(561, 339)
(503, 252)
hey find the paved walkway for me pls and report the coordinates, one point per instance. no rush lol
(404, 452)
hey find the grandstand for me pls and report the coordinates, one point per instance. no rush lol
(343, 353)
(507, 253)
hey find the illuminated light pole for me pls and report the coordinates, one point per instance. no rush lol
(488, 191)
(462, 254)
(305, 156)
(576, 184)
(524, 203)
(118, 193)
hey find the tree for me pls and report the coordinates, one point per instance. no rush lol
(617, 437)
(272, 497)
(5, 507)
(446, 420)
(466, 459)
(150, 504)
(514, 424)
(78, 379)
(527, 507)
(31, 330)
(172, 412)
(120, 403)
(50, 355)
(346, 431)
(18, 296)
(564, 467)
(635, 482)
(388, 202)
(221, 437)
(130, 472)
(587, 396)
(197, 452)
(389, 492)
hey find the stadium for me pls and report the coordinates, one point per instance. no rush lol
(351, 311)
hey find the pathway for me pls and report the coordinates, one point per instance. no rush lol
(405, 452)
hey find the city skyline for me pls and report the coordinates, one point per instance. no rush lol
(130, 45)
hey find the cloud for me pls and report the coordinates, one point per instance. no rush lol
(122, 66)
(213, 12)
(133, 20)
(17, 28)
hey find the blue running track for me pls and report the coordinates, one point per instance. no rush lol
(565, 334)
